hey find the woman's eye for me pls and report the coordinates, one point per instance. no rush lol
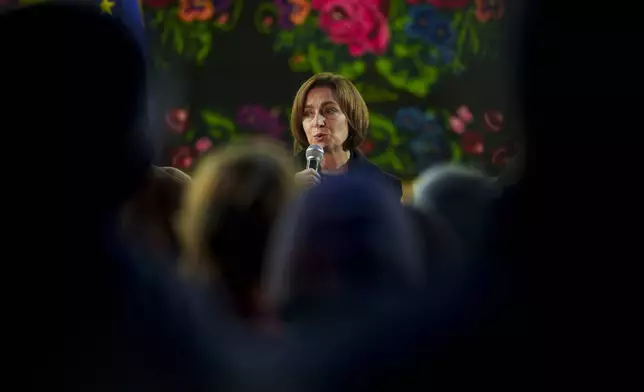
(331, 110)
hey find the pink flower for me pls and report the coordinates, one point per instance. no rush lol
(359, 24)
(464, 114)
(203, 144)
(457, 124)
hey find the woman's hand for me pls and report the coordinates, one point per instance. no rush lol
(307, 178)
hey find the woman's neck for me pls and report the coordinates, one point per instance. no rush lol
(334, 160)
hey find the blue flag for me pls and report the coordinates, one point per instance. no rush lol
(129, 12)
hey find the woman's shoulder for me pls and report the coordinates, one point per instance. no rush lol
(361, 161)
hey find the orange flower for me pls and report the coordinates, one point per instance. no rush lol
(301, 10)
(191, 10)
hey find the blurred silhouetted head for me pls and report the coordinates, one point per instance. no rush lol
(459, 196)
(346, 235)
(77, 89)
(228, 212)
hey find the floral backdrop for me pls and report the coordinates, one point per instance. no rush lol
(417, 64)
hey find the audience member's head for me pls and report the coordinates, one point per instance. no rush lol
(458, 195)
(440, 244)
(345, 235)
(236, 195)
(79, 92)
(149, 217)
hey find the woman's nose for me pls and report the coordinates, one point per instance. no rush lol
(319, 119)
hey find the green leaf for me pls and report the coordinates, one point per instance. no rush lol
(216, 133)
(457, 152)
(384, 65)
(190, 134)
(215, 120)
(165, 33)
(430, 74)
(158, 18)
(202, 54)
(474, 40)
(377, 134)
(373, 94)
(178, 40)
(306, 32)
(462, 35)
(395, 162)
(388, 160)
(285, 39)
(417, 86)
(316, 56)
(396, 7)
(205, 39)
(382, 128)
(399, 24)
(401, 51)
(458, 17)
(379, 160)
(352, 70)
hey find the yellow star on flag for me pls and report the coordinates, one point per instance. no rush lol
(106, 6)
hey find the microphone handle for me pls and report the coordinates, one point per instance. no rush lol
(314, 164)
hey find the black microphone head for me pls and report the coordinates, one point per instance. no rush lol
(314, 152)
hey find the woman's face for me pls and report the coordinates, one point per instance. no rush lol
(324, 122)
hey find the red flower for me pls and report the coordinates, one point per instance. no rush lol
(359, 24)
(158, 3)
(191, 10)
(489, 9)
(366, 147)
(182, 157)
(472, 143)
(449, 4)
(493, 120)
(177, 120)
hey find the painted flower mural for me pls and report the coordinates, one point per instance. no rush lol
(212, 128)
(186, 27)
(428, 142)
(414, 42)
(260, 119)
(397, 53)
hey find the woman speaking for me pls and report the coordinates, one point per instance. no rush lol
(329, 111)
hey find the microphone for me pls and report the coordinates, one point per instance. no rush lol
(314, 156)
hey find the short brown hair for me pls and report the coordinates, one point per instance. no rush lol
(351, 104)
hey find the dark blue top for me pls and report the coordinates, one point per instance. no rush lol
(359, 164)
